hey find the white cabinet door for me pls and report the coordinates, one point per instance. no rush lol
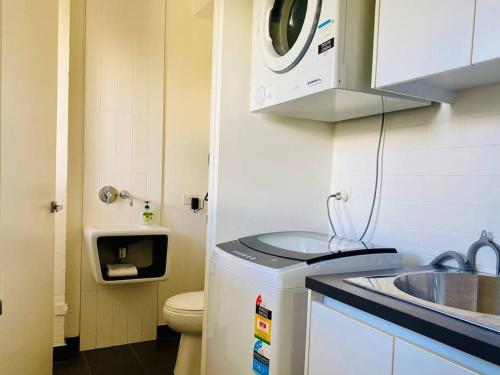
(412, 360)
(343, 346)
(487, 31)
(421, 38)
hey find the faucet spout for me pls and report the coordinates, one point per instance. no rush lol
(484, 241)
(449, 255)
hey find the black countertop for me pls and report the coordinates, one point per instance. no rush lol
(469, 338)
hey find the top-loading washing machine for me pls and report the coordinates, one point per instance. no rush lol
(257, 300)
(312, 59)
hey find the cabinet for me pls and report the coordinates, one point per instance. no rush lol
(344, 346)
(343, 340)
(432, 49)
(412, 360)
(487, 31)
(421, 38)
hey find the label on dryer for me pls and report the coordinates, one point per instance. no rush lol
(326, 46)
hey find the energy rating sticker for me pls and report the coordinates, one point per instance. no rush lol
(263, 322)
(260, 359)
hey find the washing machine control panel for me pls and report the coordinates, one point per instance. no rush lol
(235, 248)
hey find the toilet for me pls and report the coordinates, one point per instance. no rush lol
(184, 314)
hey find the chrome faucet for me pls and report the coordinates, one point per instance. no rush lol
(484, 241)
(463, 265)
(124, 194)
(108, 194)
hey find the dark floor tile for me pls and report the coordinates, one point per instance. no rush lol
(74, 366)
(157, 357)
(119, 360)
(166, 333)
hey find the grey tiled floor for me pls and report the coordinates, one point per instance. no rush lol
(146, 358)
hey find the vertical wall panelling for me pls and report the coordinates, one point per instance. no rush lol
(75, 167)
(187, 125)
(123, 147)
(61, 172)
(441, 179)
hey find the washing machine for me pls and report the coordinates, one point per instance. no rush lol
(312, 59)
(257, 300)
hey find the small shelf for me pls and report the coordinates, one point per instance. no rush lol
(146, 249)
(147, 253)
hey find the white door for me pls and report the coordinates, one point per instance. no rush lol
(412, 360)
(28, 108)
(420, 38)
(487, 31)
(286, 31)
(341, 345)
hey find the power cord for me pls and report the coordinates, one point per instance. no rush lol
(377, 174)
(338, 196)
(332, 196)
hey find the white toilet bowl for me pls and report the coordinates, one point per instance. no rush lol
(184, 314)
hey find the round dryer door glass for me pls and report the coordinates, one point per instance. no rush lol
(286, 31)
(285, 23)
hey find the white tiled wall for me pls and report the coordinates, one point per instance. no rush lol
(124, 96)
(61, 172)
(441, 176)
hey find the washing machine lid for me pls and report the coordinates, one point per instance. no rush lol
(311, 247)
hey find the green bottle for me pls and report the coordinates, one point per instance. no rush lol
(147, 215)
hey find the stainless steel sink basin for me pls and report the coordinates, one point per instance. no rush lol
(466, 296)
(464, 291)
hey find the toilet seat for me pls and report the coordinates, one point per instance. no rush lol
(186, 302)
(184, 312)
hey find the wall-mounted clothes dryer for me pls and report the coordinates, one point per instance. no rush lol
(312, 59)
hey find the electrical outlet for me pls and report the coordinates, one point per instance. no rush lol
(348, 192)
(346, 195)
(187, 199)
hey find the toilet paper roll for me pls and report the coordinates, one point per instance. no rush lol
(122, 270)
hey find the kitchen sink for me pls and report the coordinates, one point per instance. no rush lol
(466, 296)
(466, 291)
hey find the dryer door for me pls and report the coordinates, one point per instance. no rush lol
(286, 31)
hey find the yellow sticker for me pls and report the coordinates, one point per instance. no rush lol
(263, 322)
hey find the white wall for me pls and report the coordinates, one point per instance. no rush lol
(123, 147)
(267, 173)
(74, 202)
(441, 184)
(61, 172)
(202, 8)
(187, 126)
